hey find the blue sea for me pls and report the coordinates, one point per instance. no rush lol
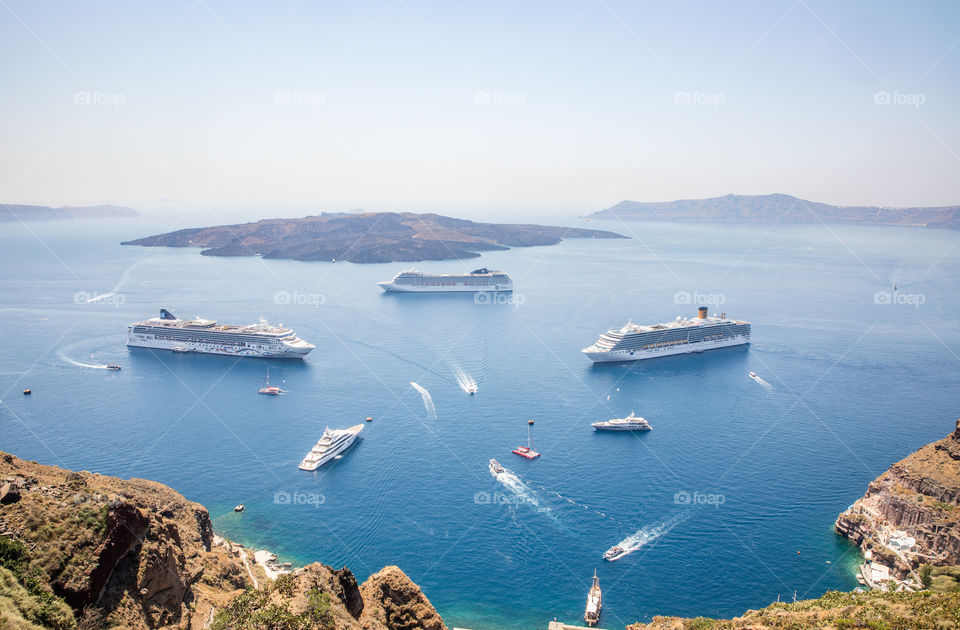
(728, 503)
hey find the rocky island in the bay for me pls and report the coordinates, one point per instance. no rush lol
(777, 208)
(370, 237)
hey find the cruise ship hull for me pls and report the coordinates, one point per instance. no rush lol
(329, 455)
(614, 356)
(264, 351)
(390, 287)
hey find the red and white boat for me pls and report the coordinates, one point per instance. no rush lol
(269, 389)
(527, 451)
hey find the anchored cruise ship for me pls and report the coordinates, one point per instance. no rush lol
(207, 336)
(413, 281)
(634, 342)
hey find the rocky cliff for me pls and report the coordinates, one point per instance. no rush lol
(78, 548)
(918, 496)
(840, 611)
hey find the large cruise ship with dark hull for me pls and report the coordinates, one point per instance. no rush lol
(167, 332)
(634, 342)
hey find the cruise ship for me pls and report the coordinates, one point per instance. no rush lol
(207, 336)
(331, 443)
(630, 423)
(478, 280)
(634, 342)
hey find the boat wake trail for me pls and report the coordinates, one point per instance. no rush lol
(759, 379)
(522, 493)
(427, 400)
(465, 381)
(650, 533)
(79, 364)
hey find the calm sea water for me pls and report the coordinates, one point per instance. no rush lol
(854, 386)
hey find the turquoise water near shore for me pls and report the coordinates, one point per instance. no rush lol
(734, 480)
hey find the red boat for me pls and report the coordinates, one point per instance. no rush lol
(527, 451)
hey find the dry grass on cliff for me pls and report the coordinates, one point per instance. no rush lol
(835, 610)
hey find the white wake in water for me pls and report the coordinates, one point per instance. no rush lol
(650, 533)
(427, 400)
(79, 364)
(762, 382)
(521, 492)
(465, 381)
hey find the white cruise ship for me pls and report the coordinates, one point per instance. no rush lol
(634, 342)
(630, 423)
(331, 443)
(207, 336)
(413, 281)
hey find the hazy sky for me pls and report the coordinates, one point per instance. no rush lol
(414, 105)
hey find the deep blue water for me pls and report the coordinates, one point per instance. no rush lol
(856, 385)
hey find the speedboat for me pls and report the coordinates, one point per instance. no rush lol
(113, 366)
(496, 468)
(630, 423)
(614, 553)
(239, 508)
(753, 375)
(472, 389)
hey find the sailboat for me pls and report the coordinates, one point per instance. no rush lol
(267, 388)
(527, 451)
(591, 613)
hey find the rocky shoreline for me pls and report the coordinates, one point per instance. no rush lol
(909, 517)
(83, 550)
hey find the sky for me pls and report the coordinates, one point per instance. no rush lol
(559, 106)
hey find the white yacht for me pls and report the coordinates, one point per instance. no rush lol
(630, 423)
(330, 445)
(477, 281)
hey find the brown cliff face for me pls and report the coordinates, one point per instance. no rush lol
(919, 495)
(393, 601)
(136, 554)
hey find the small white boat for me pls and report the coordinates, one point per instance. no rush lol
(239, 508)
(614, 553)
(331, 444)
(495, 467)
(630, 423)
(113, 366)
(179, 349)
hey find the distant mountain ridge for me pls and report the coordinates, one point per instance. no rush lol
(369, 237)
(778, 208)
(16, 212)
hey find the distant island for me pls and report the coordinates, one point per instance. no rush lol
(777, 208)
(12, 212)
(370, 237)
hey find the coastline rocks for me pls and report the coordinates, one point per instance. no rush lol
(918, 498)
(393, 601)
